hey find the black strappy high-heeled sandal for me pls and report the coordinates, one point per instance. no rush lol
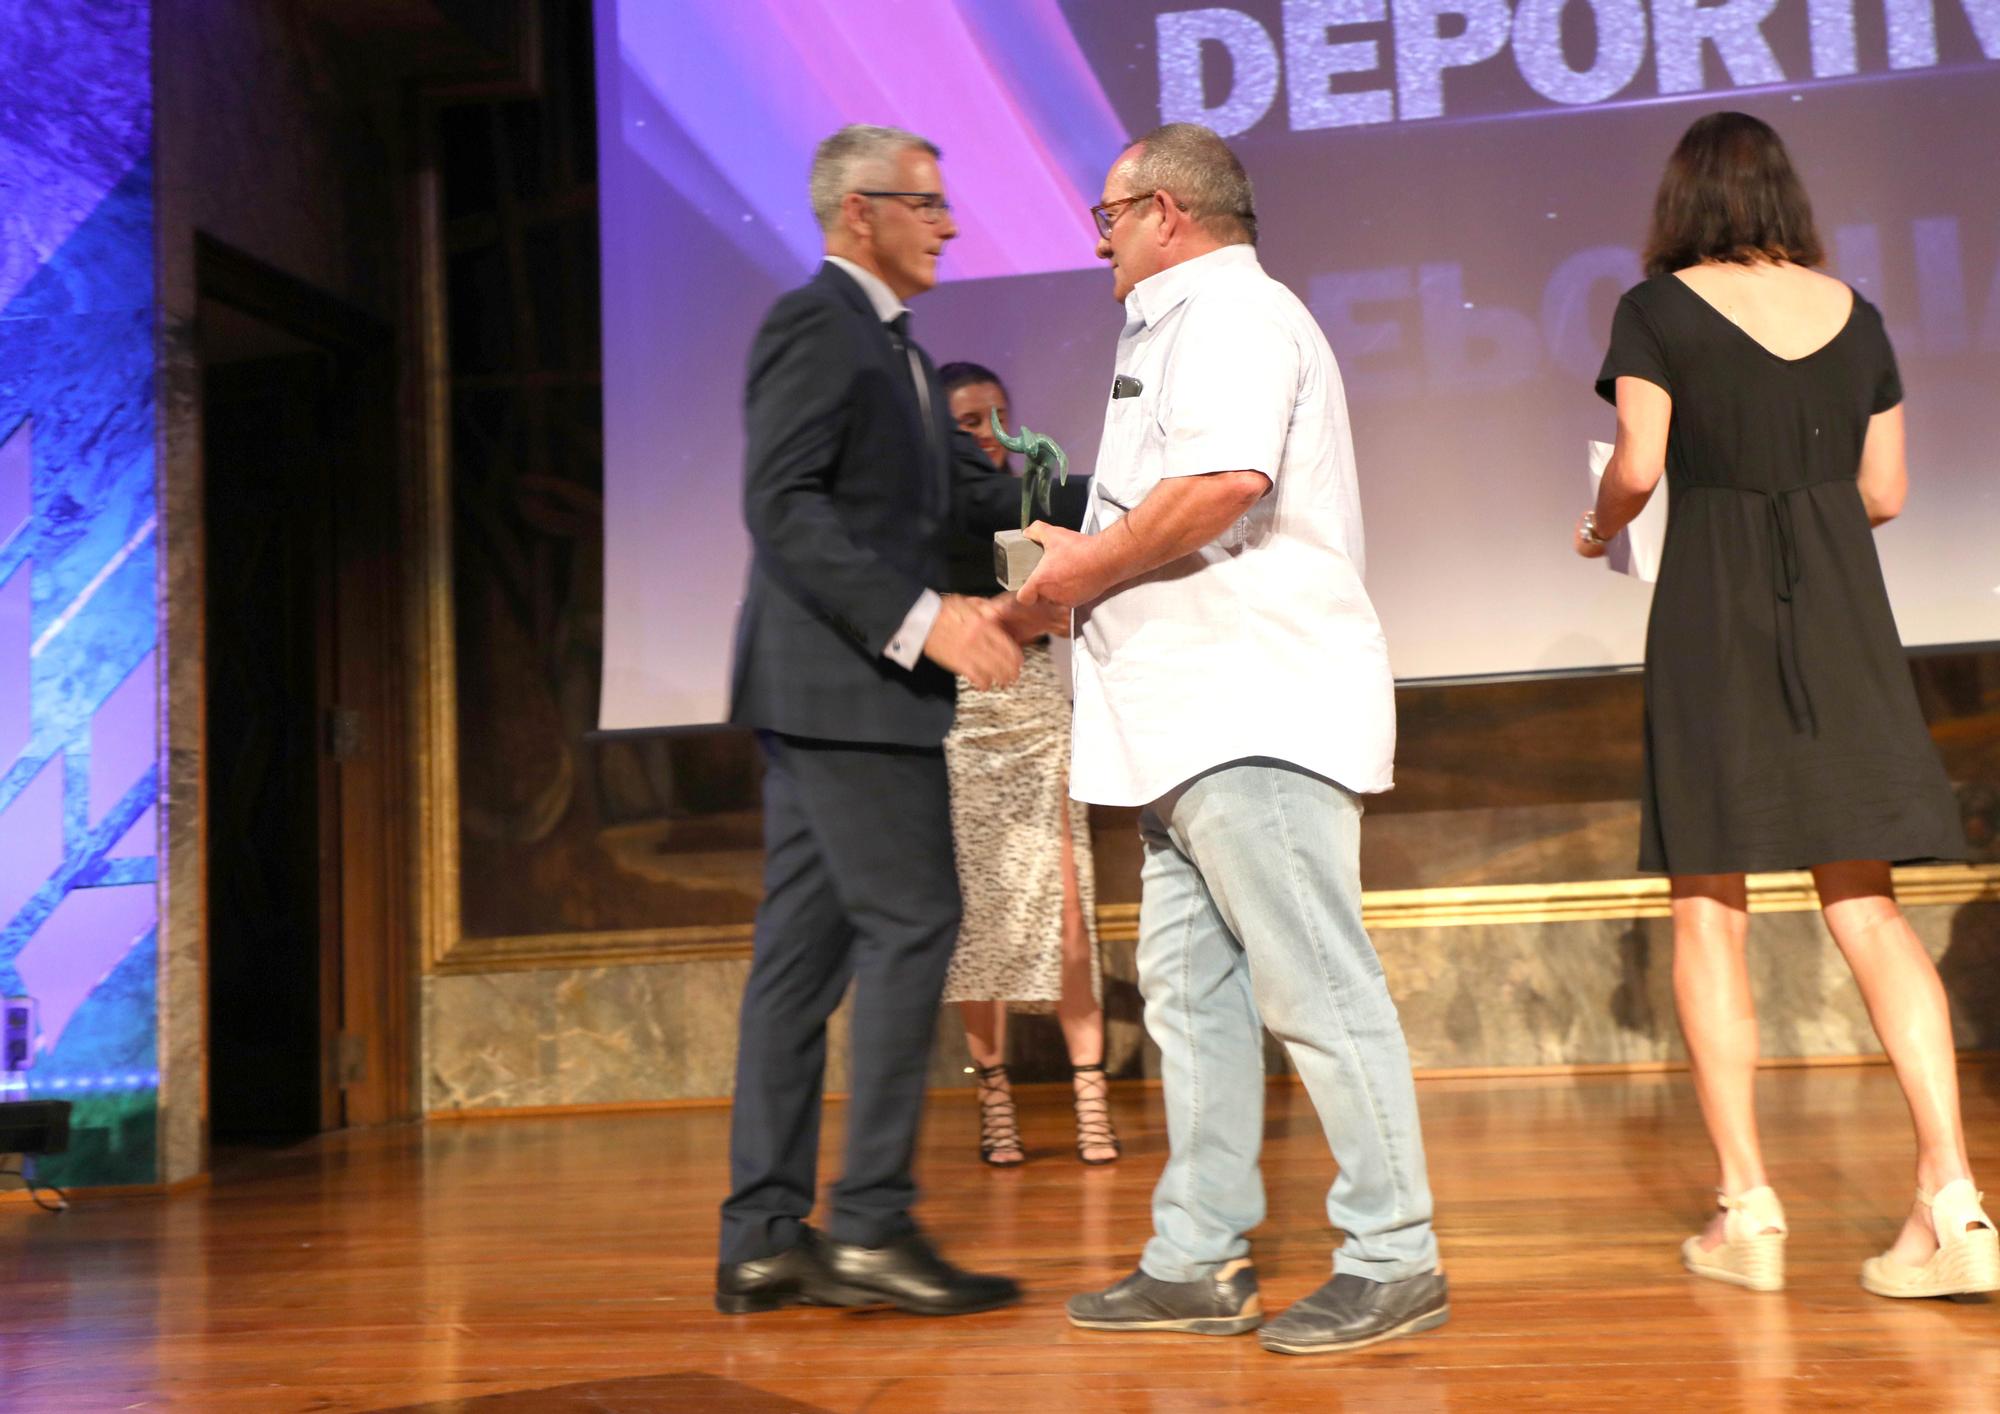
(999, 1131)
(1093, 1115)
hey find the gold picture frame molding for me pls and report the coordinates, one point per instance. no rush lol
(1482, 906)
(446, 951)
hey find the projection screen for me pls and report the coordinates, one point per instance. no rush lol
(1458, 189)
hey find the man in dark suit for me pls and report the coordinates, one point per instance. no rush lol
(845, 656)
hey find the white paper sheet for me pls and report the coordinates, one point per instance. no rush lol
(1635, 550)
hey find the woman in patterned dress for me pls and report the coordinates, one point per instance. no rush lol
(1028, 941)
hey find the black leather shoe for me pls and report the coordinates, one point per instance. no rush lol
(1223, 1303)
(795, 1277)
(909, 1275)
(1352, 1311)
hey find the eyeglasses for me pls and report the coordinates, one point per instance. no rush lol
(930, 206)
(1106, 214)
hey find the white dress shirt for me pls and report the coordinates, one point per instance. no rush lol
(1263, 642)
(906, 644)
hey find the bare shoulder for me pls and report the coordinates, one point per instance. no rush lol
(1819, 286)
(1707, 278)
(1781, 291)
(1818, 279)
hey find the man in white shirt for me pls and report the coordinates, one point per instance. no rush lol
(1232, 679)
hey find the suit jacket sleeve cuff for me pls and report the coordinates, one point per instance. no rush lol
(906, 644)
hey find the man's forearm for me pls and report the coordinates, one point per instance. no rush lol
(1178, 517)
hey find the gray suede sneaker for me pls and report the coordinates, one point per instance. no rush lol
(1352, 1311)
(1222, 1303)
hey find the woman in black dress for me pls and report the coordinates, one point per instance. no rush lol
(1782, 729)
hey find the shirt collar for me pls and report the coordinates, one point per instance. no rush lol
(887, 306)
(1154, 297)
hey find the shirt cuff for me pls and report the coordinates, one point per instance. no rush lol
(906, 644)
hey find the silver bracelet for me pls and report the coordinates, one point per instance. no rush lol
(1590, 535)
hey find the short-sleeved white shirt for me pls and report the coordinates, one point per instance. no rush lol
(1263, 642)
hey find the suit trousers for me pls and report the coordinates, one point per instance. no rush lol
(861, 885)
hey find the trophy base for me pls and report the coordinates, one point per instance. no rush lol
(1014, 557)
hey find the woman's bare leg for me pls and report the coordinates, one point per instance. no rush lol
(986, 1040)
(1078, 1011)
(985, 1032)
(1718, 1020)
(1906, 1002)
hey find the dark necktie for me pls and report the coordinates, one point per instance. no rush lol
(899, 335)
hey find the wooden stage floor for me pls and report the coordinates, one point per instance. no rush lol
(564, 1264)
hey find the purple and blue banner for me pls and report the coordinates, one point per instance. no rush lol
(79, 622)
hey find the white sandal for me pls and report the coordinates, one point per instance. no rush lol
(1967, 1259)
(1752, 1253)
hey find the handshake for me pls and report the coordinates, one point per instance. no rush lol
(980, 639)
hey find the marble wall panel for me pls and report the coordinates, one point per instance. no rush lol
(605, 1035)
(1472, 996)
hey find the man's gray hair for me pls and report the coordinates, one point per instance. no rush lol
(859, 156)
(1195, 166)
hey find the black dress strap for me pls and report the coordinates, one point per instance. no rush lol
(1787, 572)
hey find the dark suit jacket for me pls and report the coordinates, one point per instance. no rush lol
(850, 507)
(969, 558)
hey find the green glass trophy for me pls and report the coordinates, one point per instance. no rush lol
(1046, 465)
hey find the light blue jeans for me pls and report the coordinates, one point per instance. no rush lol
(1251, 917)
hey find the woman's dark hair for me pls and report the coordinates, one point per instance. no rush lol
(1730, 194)
(963, 375)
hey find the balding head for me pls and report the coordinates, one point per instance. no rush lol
(1175, 194)
(1202, 174)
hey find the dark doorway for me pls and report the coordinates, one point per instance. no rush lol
(309, 972)
(267, 428)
